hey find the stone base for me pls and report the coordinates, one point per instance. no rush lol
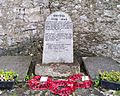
(57, 70)
(18, 64)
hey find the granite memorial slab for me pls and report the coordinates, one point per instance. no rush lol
(58, 39)
(95, 64)
(18, 64)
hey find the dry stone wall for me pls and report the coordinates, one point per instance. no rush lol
(96, 23)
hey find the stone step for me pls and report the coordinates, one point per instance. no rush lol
(95, 64)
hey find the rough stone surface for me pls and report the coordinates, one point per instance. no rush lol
(57, 70)
(18, 64)
(58, 39)
(88, 92)
(24, 92)
(95, 64)
(96, 23)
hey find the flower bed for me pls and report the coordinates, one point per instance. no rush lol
(7, 79)
(109, 80)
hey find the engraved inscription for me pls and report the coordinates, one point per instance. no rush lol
(58, 47)
(57, 37)
(58, 25)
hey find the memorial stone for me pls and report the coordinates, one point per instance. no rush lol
(58, 39)
(57, 59)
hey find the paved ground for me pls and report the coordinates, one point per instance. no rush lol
(23, 90)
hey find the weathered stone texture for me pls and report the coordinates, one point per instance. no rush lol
(96, 23)
(18, 64)
(95, 64)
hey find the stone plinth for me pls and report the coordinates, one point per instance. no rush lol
(57, 70)
(18, 64)
(95, 64)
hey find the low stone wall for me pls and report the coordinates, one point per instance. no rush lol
(96, 25)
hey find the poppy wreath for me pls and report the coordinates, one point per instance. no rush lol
(60, 87)
(37, 84)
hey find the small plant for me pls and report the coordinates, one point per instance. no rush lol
(97, 81)
(108, 80)
(28, 77)
(8, 75)
(113, 76)
(7, 79)
(117, 93)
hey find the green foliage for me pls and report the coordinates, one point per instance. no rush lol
(117, 93)
(110, 76)
(97, 81)
(113, 76)
(8, 75)
(13, 94)
(28, 77)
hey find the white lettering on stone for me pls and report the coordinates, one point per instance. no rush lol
(58, 39)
